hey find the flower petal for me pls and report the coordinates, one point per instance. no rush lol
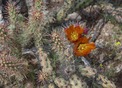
(79, 29)
(83, 40)
(83, 49)
(73, 33)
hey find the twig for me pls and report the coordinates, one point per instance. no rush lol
(86, 62)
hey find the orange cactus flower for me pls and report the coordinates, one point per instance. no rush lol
(73, 33)
(83, 40)
(81, 49)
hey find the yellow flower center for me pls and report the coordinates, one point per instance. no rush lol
(81, 47)
(74, 36)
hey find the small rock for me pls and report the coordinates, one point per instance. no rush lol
(73, 16)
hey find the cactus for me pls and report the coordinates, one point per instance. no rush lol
(73, 82)
(103, 81)
(100, 79)
(2, 35)
(70, 6)
(61, 83)
(87, 71)
(64, 9)
(42, 77)
(58, 45)
(11, 67)
(12, 13)
(51, 85)
(45, 62)
(76, 82)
